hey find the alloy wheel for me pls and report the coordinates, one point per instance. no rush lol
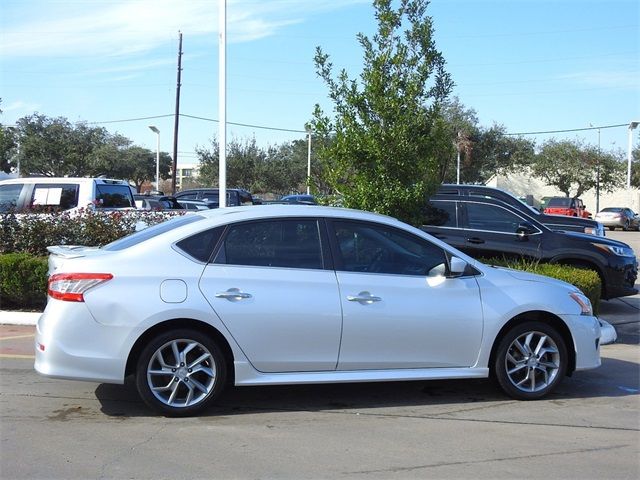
(181, 373)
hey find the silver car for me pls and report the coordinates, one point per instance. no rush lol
(281, 294)
(618, 217)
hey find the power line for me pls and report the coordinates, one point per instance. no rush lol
(571, 130)
(264, 127)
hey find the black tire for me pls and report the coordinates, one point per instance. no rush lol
(185, 385)
(524, 372)
(612, 228)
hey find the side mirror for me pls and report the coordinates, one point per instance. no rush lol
(525, 229)
(457, 267)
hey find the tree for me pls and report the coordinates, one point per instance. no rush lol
(53, 147)
(483, 151)
(386, 132)
(571, 167)
(635, 167)
(8, 147)
(278, 169)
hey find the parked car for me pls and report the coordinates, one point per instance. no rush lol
(554, 222)
(197, 204)
(157, 202)
(488, 228)
(300, 199)
(282, 294)
(63, 193)
(569, 206)
(618, 217)
(235, 196)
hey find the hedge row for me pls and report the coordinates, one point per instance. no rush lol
(33, 233)
(23, 282)
(586, 280)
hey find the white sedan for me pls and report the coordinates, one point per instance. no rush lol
(293, 294)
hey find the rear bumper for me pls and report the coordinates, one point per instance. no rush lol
(70, 344)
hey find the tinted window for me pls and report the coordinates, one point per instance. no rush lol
(190, 195)
(492, 218)
(9, 195)
(150, 232)
(113, 196)
(364, 247)
(443, 214)
(58, 195)
(201, 245)
(274, 243)
(559, 202)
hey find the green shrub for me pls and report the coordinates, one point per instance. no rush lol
(23, 281)
(34, 232)
(586, 280)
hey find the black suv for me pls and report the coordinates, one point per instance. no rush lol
(554, 222)
(488, 228)
(235, 196)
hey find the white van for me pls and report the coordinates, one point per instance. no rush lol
(63, 193)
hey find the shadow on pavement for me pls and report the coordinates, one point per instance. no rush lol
(615, 378)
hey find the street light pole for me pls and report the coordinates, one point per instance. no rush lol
(632, 126)
(597, 173)
(155, 130)
(309, 163)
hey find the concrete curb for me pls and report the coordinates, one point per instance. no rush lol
(18, 318)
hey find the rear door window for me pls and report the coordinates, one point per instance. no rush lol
(290, 243)
(55, 195)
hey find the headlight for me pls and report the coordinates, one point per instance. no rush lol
(583, 301)
(620, 251)
(597, 231)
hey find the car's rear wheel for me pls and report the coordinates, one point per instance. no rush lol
(181, 372)
(612, 228)
(530, 361)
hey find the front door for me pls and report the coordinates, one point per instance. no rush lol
(399, 309)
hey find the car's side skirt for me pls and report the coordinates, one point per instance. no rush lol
(247, 376)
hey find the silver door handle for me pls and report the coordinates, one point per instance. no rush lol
(364, 297)
(233, 294)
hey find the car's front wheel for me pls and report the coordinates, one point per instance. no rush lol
(180, 372)
(530, 361)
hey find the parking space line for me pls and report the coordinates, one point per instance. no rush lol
(11, 355)
(16, 337)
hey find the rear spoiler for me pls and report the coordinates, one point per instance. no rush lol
(69, 251)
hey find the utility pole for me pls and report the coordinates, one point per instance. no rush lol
(174, 167)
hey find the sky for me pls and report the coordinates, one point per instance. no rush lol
(530, 66)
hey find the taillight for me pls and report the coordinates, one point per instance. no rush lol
(70, 287)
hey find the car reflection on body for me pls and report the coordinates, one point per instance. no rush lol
(282, 294)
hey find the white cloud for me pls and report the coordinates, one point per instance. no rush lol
(142, 25)
(19, 106)
(606, 79)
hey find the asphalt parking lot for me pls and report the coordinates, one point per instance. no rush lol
(589, 428)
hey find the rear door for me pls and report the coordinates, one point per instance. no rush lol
(272, 286)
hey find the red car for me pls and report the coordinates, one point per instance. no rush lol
(570, 206)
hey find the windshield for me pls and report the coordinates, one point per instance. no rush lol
(151, 232)
(559, 202)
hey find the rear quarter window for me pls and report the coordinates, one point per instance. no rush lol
(113, 196)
